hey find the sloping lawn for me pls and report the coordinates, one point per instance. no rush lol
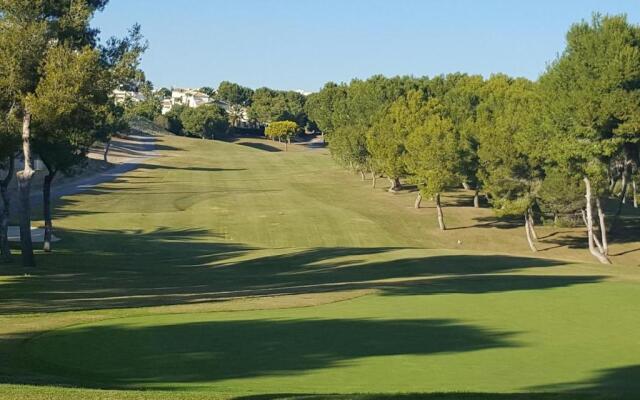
(220, 270)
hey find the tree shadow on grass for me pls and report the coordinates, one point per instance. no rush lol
(431, 396)
(122, 269)
(205, 349)
(149, 166)
(622, 381)
(627, 231)
(140, 149)
(261, 146)
(487, 284)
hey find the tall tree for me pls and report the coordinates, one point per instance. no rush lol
(592, 98)
(433, 157)
(357, 112)
(24, 35)
(268, 105)
(325, 107)
(65, 109)
(206, 121)
(461, 97)
(121, 58)
(9, 146)
(149, 107)
(510, 170)
(233, 93)
(387, 137)
(29, 29)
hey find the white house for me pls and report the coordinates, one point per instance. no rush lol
(187, 97)
(167, 104)
(120, 96)
(194, 98)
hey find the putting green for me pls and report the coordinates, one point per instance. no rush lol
(407, 340)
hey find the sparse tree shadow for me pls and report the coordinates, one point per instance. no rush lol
(261, 146)
(149, 166)
(122, 269)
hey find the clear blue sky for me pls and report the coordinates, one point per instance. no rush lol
(301, 44)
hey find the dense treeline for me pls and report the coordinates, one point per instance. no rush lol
(207, 121)
(259, 108)
(56, 84)
(560, 145)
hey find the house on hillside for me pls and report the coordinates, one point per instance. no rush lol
(186, 97)
(120, 96)
(167, 105)
(238, 115)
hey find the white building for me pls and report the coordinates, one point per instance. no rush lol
(120, 96)
(238, 115)
(167, 104)
(186, 97)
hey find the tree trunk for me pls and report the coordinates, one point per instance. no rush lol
(612, 184)
(5, 250)
(621, 201)
(603, 228)
(395, 184)
(440, 215)
(373, 179)
(362, 175)
(592, 249)
(476, 198)
(595, 238)
(285, 145)
(465, 185)
(24, 189)
(418, 201)
(528, 230)
(531, 225)
(635, 194)
(107, 147)
(46, 210)
(623, 193)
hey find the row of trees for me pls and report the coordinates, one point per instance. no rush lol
(282, 131)
(561, 145)
(262, 106)
(56, 82)
(206, 121)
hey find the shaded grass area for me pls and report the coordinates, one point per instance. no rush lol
(179, 268)
(219, 226)
(376, 343)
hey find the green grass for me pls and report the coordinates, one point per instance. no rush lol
(221, 270)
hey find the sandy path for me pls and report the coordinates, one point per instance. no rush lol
(125, 155)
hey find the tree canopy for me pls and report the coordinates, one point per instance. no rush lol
(206, 121)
